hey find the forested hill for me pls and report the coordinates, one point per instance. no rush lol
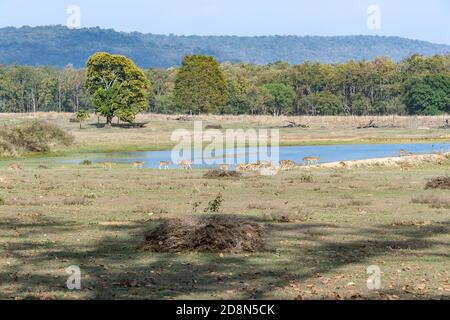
(59, 46)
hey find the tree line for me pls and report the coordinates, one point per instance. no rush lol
(416, 85)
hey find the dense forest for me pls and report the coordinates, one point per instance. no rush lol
(415, 85)
(60, 46)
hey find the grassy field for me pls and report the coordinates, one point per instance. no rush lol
(323, 227)
(321, 130)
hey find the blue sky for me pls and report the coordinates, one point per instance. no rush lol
(417, 19)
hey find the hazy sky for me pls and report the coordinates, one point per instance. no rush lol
(418, 19)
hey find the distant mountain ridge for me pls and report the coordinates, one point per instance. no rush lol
(60, 46)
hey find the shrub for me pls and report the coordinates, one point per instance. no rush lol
(86, 163)
(214, 205)
(32, 136)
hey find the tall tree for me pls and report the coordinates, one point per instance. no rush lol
(117, 86)
(200, 85)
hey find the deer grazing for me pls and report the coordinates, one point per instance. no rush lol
(164, 165)
(311, 160)
(185, 165)
(242, 167)
(286, 165)
(138, 164)
(15, 167)
(107, 166)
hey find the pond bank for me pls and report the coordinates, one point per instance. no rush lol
(402, 162)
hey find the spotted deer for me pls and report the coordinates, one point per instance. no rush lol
(138, 164)
(311, 160)
(15, 167)
(164, 165)
(107, 166)
(286, 165)
(185, 165)
(242, 167)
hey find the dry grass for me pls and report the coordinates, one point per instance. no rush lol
(321, 130)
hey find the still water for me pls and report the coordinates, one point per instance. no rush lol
(327, 154)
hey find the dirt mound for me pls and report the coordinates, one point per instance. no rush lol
(439, 183)
(212, 233)
(219, 174)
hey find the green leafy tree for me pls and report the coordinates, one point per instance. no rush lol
(118, 88)
(283, 98)
(429, 95)
(82, 115)
(200, 85)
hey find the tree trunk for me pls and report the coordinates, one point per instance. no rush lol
(108, 122)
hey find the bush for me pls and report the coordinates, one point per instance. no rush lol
(32, 136)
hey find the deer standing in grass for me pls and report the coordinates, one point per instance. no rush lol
(138, 164)
(311, 160)
(107, 166)
(164, 165)
(286, 165)
(15, 167)
(242, 167)
(186, 165)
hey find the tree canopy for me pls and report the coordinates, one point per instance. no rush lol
(428, 95)
(200, 85)
(117, 87)
(416, 85)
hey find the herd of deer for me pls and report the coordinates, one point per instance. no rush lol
(284, 165)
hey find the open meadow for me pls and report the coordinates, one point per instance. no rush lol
(323, 226)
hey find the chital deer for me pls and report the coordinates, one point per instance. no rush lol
(242, 167)
(164, 165)
(14, 166)
(107, 166)
(311, 160)
(266, 164)
(286, 165)
(186, 165)
(402, 152)
(138, 164)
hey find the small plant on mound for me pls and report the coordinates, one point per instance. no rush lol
(211, 233)
(439, 183)
(214, 205)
